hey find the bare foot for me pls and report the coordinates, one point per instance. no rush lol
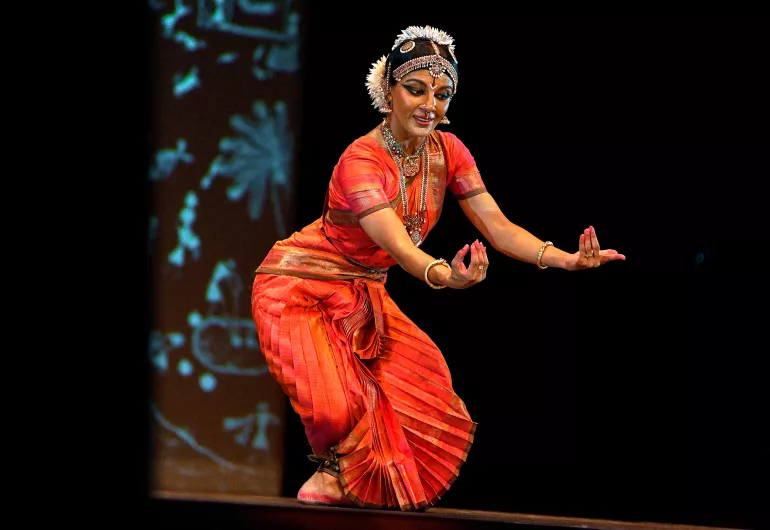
(322, 488)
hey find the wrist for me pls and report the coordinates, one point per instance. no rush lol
(440, 274)
(550, 256)
(555, 258)
(437, 274)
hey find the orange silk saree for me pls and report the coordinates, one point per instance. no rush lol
(367, 383)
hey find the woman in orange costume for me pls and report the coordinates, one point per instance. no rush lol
(372, 390)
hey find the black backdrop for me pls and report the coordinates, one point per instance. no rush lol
(633, 391)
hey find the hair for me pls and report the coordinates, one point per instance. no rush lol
(422, 47)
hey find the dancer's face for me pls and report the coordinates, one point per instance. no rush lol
(419, 101)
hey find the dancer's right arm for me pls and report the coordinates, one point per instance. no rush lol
(387, 230)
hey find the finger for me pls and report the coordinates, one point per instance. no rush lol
(583, 248)
(595, 246)
(457, 262)
(484, 261)
(481, 267)
(590, 254)
(594, 240)
(473, 268)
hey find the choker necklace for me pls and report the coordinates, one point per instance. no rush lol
(413, 222)
(411, 162)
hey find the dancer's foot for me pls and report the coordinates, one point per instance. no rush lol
(323, 488)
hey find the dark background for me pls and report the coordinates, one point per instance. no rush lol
(631, 392)
(634, 391)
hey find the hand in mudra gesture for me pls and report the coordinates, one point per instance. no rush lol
(591, 254)
(463, 277)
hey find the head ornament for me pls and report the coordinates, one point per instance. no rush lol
(377, 81)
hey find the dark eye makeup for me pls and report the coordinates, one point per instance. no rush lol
(419, 91)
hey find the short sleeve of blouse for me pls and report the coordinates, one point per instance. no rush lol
(358, 182)
(463, 177)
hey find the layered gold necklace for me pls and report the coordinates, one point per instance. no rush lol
(413, 222)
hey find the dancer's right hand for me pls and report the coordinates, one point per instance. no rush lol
(463, 277)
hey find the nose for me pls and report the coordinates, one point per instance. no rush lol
(430, 101)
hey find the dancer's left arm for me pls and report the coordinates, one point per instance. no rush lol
(516, 242)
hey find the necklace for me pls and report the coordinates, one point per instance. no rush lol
(411, 162)
(413, 222)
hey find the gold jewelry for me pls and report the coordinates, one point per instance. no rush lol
(540, 254)
(378, 78)
(591, 255)
(411, 162)
(432, 264)
(413, 222)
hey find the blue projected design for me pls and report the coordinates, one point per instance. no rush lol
(161, 344)
(184, 434)
(185, 83)
(169, 20)
(259, 161)
(166, 160)
(257, 422)
(223, 342)
(185, 367)
(188, 240)
(279, 53)
(214, 398)
(227, 58)
(189, 42)
(207, 382)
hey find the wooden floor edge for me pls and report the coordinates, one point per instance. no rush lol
(451, 513)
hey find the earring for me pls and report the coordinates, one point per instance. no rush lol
(388, 109)
(444, 120)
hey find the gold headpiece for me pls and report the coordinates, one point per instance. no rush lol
(377, 81)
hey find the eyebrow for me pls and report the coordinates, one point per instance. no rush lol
(419, 81)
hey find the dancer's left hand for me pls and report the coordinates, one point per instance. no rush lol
(590, 254)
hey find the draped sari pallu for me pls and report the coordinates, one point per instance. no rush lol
(364, 379)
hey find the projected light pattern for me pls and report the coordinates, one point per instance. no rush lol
(227, 58)
(257, 423)
(185, 435)
(218, 175)
(221, 341)
(189, 42)
(188, 240)
(259, 161)
(184, 83)
(161, 344)
(166, 160)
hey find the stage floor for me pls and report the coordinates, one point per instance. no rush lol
(222, 511)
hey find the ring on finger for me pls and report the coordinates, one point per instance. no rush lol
(589, 254)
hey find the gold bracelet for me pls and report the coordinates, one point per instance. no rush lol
(440, 261)
(540, 254)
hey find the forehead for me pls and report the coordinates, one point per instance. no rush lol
(425, 77)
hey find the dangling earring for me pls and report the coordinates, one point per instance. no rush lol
(388, 108)
(444, 120)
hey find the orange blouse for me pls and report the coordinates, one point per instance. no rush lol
(365, 180)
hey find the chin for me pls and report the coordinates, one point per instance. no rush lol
(421, 131)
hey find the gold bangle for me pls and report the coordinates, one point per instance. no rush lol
(540, 254)
(440, 261)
